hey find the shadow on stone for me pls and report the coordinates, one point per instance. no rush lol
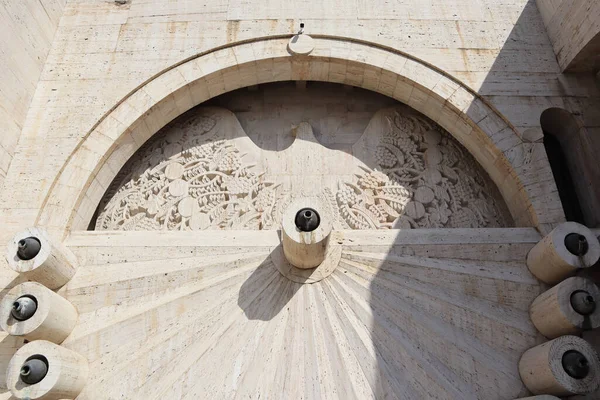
(266, 292)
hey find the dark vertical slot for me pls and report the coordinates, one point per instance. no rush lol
(563, 178)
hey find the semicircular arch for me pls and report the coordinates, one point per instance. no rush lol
(518, 168)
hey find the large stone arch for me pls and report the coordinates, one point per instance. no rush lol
(519, 169)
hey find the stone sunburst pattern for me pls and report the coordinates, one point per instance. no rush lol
(406, 315)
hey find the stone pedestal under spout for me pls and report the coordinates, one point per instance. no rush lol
(305, 232)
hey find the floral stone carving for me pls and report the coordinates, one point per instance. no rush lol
(408, 173)
(426, 179)
(189, 179)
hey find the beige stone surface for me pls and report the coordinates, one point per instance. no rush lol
(26, 36)
(574, 29)
(331, 260)
(301, 45)
(103, 51)
(507, 165)
(426, 298)
(593, 338)
(197, 313)
(580, 157)
(8, 348)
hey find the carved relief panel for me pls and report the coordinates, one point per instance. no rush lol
(191, 177)
(204, 172)
(424, 179)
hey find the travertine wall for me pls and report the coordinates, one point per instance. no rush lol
(103, 51)
(444, 295)
(574, 29)
(26, 31)
(218, 321)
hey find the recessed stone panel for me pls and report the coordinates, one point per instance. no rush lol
(378, 168)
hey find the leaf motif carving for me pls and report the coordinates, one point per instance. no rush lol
(227, 194)
(415, 154)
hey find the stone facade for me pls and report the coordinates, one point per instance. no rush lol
(28, 30)
(166, 141)
(103, 51)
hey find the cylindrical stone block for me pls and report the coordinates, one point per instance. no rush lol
(301, 45)
(561, 367)
(53, 266)
(53, 320)
(568, 308)
(66, 374)
(305, 247)
(559, 254)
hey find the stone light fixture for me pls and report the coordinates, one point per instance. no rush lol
(568, 308)
(305, 243)
(567, 248)
(44, 370)
(52, 265)
(307, 254)
(53, 319)
(561, 367)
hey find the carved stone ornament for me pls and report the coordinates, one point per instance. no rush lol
(204, 172)
(425, 179)
(190, 178)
